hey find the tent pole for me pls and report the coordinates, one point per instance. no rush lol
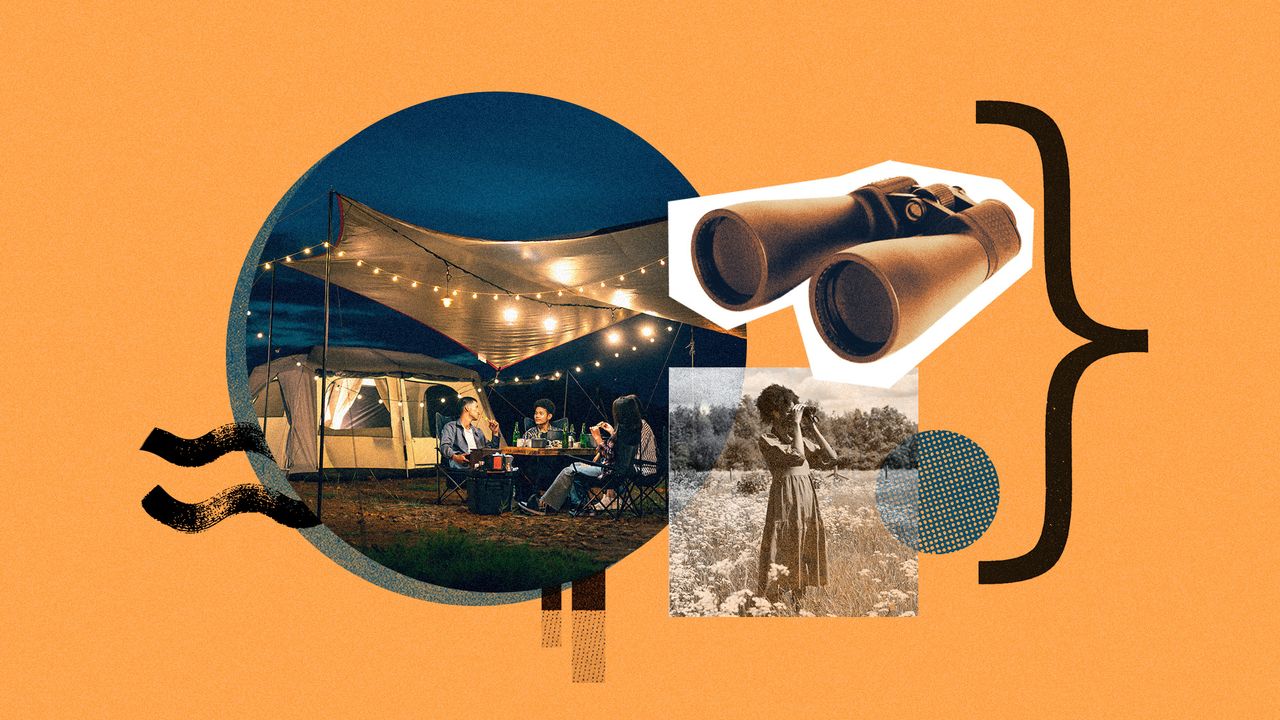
(564, 406)
(324, 352)
(271, 315)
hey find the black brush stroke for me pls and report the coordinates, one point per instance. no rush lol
(1103, 341)
(247, 498)
(233, 437)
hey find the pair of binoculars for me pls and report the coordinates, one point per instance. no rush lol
(885, 261)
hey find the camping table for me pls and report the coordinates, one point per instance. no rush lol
(549, 451)
(573, 453)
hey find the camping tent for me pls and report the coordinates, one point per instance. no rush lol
(504, 301)
(379, 414)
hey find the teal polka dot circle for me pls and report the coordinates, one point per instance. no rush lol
(938, 492)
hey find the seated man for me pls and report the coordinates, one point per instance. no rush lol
(537, 471)
(463, 435)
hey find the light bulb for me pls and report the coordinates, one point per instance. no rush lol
(577, 368)
(647, 331)
(446, 301)
(549, 324)
(509, 314)
(306, 251)
(614, 337)
(395, 278)
(414, 284)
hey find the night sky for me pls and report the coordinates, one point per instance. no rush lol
(500, 166)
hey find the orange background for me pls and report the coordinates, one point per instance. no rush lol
(143, 150)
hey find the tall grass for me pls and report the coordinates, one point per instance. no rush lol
(715, 545)
(457, 560)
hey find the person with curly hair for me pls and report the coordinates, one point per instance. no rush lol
(793, 549)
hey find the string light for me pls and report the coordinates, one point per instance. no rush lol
(446, 301)
(306, 251)
(267, 266)
(633, 348)
(577, 368)
(377, 270)
(414, 284)
(662, 262)
(668, 328)
(342, 253)
(616, 355)
(359, 263)
(395, 278)
(614, 337)
(474, 296)
(289, 259)
(647, 331)
(549, 323)
(435, 288)
(259, 336)
(597, 363)
(510, 314)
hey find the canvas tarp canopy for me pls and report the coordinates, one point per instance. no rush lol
(552, 291)
(400, 380)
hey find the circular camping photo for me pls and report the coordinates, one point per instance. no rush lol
(455, 333)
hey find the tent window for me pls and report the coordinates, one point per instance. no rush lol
(357, 404)
(423, 401)
(270, 402)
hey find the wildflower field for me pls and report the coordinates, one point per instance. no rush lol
(716, 521)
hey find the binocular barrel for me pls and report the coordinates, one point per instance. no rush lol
(869, 300)
(752, 253)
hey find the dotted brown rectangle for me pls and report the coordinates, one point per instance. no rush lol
(588, 646)
(550, 628)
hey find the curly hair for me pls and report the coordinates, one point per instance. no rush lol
(775, 400)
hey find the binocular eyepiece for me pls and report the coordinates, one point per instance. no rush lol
(886, 261)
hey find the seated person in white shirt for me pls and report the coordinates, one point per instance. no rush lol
(463, 435)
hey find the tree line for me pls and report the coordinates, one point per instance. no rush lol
(724, 437)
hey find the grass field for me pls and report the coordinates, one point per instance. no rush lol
(715, 545)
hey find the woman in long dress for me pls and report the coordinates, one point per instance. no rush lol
(793, 550)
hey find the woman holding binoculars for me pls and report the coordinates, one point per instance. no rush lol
(793, 549)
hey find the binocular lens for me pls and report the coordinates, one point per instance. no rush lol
(855, 309)
(733, 270)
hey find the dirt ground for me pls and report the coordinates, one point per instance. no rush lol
(389, 511)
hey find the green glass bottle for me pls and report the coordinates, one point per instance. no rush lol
(515, 435)
(584, 439)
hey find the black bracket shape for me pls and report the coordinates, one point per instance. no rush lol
(1103, 341)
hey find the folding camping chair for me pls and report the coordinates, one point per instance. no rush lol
(617, 474)
(558, 423)
(448, 480)
(643, 489)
